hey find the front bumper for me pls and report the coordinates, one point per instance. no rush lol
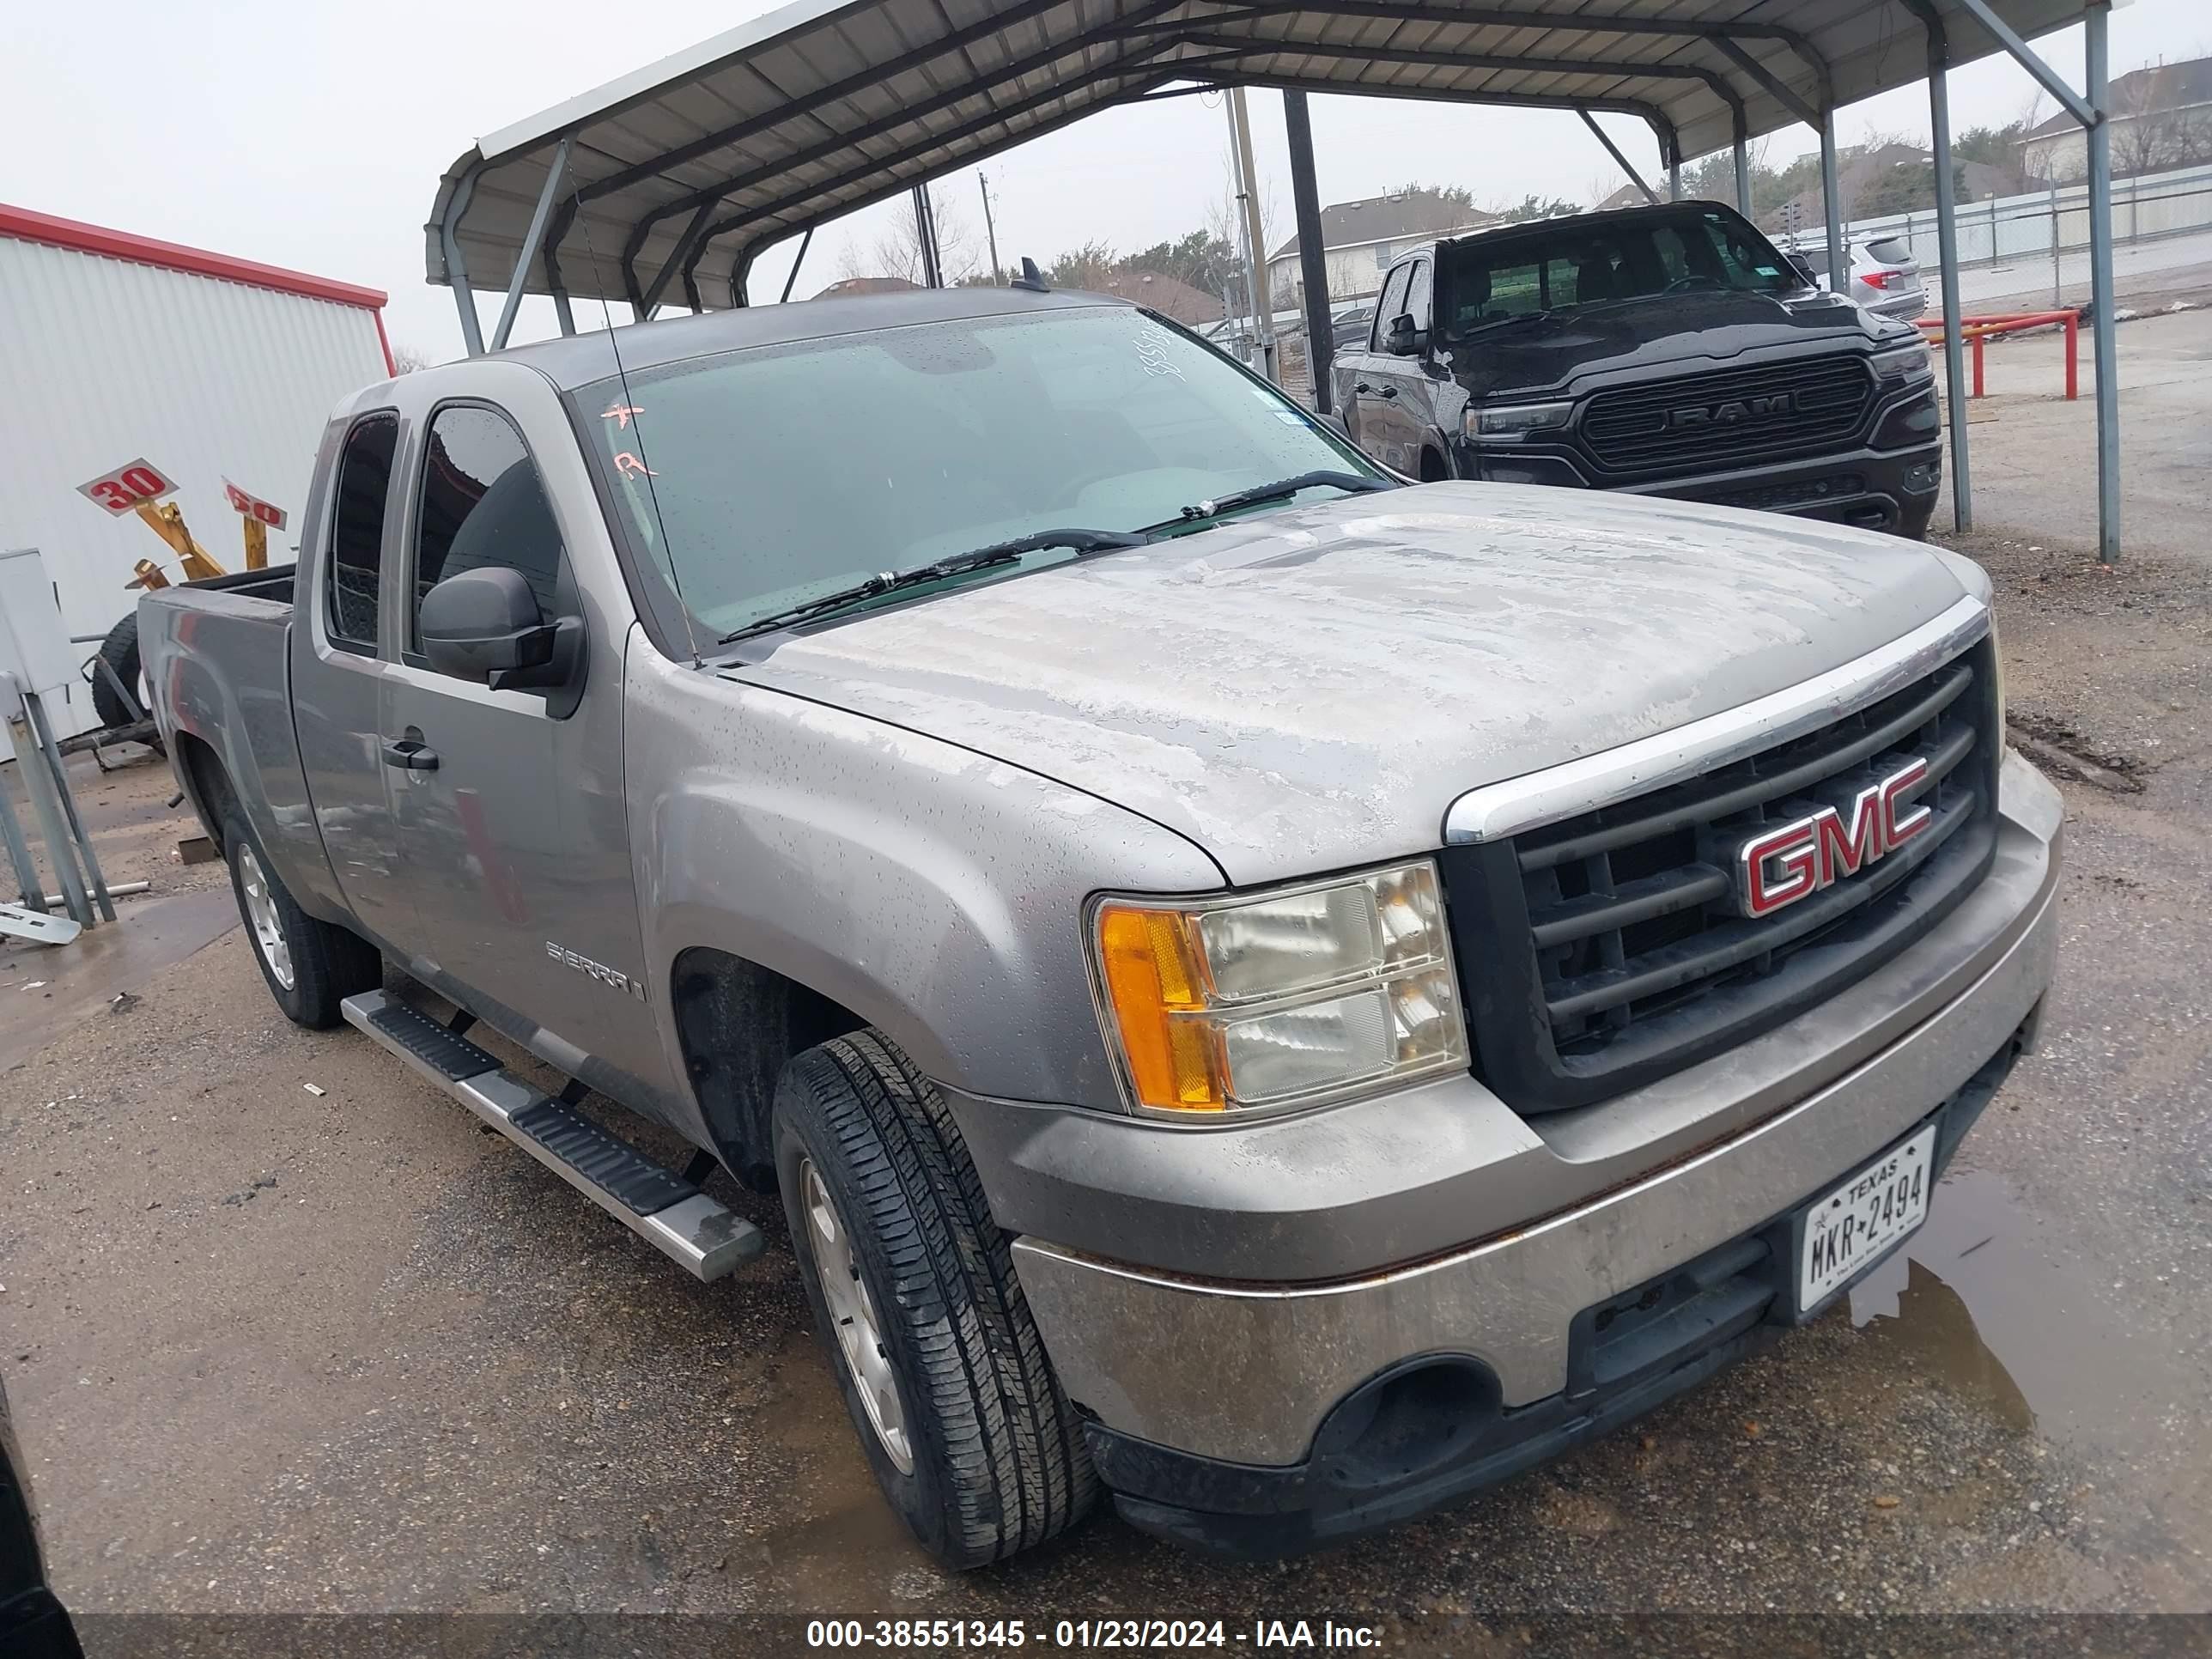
(1243, 1373)
(1433, 1429)
(1889, 482)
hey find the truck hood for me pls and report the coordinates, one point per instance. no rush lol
(1308, 689)
(1696, 330)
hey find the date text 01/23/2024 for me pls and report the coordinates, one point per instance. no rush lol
(1006, 1635)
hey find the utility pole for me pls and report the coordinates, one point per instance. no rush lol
(990, 235)
(1255, 252)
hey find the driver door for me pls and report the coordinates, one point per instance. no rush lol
(1375, 385)
(514, 836)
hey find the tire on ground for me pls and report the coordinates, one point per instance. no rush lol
(326, 963)
(120, 648)
(1000, 1464)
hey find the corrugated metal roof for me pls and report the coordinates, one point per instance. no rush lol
(681, 171)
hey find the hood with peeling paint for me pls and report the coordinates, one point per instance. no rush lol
(1308, 689)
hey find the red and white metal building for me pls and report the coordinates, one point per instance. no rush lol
(114, 347)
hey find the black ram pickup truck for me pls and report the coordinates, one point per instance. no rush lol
(1668, 350)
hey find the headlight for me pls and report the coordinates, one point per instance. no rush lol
(1286, 998)
(1509, 421)
(1902, 365)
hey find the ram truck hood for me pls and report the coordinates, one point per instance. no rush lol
(1309, 690)
(1641, 339)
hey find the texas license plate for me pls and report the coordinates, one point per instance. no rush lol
(1847, 1230)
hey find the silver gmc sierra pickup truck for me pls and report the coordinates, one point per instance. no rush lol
(1280, 994)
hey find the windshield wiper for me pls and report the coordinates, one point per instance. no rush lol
(958, 564)
(1353, 483)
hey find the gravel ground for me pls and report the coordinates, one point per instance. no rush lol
(275, 1351)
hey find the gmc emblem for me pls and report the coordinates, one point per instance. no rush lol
(1735, 411)
(1777, 867)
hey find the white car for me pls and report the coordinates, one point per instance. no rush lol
(1885, 277)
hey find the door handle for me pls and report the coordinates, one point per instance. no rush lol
(1362, 388)
(1390, 391)
(411, 755)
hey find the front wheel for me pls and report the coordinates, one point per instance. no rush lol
(310, 966)
(913, 1289)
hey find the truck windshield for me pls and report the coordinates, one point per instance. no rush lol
(1577, 263)
(769, 477)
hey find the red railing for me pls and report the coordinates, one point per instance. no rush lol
(1975, 330)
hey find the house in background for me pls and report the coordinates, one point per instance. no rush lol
(1360, 239)
(2161, 119)
(1175, 300)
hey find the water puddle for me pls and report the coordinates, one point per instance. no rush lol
(844, 1549)
(1982, 1300)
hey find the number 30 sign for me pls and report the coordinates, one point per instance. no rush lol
(134, 484)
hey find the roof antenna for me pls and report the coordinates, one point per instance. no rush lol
(1032, 278)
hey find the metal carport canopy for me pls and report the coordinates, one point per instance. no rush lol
(664, 184)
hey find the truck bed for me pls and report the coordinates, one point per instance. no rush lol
(217, 659)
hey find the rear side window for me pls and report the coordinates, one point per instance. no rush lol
(482, 504)
(364, 485)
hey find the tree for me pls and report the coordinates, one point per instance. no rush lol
(406, 359)
(1203, 259)
(1534, 207)
(1458, 196)
(1092, 265)
(897, 251)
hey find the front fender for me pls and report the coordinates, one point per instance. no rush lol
(935, 892)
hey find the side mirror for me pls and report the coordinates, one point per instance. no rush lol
(1335, 424)
(1404, 340)
(484, 625)
(1803, 267)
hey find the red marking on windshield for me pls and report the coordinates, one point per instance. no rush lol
(627, 463)
(620, 413)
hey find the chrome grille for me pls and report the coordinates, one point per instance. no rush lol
(1620, 950)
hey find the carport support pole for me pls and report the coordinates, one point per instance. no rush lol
(1313, 261)
(1946, 241)
(457, 268)
(1832, 206)
(532, 241)
(2096, 61)
(1742, 176)
(1619, 160)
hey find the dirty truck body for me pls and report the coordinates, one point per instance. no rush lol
(1288, 1011)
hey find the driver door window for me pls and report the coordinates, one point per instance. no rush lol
(481, 503)
(1388, 307)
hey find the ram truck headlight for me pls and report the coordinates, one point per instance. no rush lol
(1507, 422)
(1266, 1002)
(1902, 365)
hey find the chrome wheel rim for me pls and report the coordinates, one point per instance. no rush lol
(853, 1315)
(261, 916)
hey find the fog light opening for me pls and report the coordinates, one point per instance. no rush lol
(1421, 1417)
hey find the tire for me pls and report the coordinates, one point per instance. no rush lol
(310, 966)
(120, 648)
(993, 1459)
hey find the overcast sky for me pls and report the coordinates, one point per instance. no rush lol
(313, 136)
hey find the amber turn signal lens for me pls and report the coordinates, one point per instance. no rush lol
(1152, 975)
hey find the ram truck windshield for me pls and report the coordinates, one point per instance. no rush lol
(1573, 265)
